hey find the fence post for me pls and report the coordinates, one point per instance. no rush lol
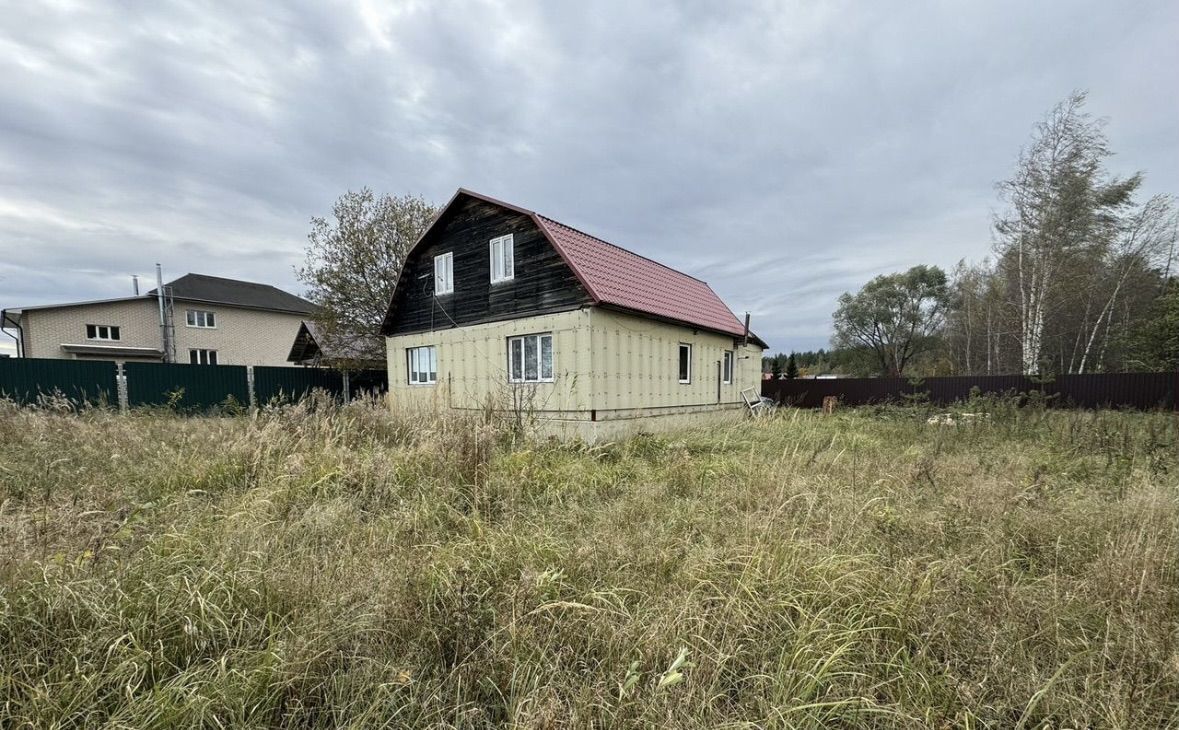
(347, 393)
(250, 387)
(121, 386)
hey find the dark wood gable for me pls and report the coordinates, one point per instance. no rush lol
(543, 282)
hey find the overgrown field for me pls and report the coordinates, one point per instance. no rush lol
(323, 567)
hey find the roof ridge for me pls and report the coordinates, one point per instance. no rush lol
(227, 278)
(623, 248)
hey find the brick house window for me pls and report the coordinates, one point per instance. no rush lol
(200, 318)
(202, 357)
(102, 332)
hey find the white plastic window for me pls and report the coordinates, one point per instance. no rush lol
(423, 365)
(444, 273)
(530, 358)
(200, 318)
(503, 265)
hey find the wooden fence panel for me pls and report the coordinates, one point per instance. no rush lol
(1114, 390)
(23, 379)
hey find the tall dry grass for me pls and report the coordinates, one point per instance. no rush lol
(315, 566)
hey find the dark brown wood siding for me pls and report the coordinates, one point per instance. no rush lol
(542, 283)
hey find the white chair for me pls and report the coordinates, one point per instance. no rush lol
(755, 402)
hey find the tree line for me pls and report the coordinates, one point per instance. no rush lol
(1082, 277)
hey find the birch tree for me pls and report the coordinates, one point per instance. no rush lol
(1145, 240)
(1059, 201)
(976, 321)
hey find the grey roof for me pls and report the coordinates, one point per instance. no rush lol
(214, 289)
(209, 289)
(313, 344)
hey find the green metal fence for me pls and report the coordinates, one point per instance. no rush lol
(369, 382)
(23, 379)
(186, 387)
(290, 384)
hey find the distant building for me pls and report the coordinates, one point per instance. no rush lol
(314, 347)
(209, 320)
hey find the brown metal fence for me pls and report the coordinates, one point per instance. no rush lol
(1101, 390)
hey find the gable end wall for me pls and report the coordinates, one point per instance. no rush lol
(543, 282)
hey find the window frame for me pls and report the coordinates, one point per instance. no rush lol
(507, 263)
(200, 322)
(197, 354)
(414, 369)
(679, 363)
(727, 363)
(112, 332)
(447, 282)
(539, 338)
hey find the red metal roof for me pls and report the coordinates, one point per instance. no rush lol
(622, 278)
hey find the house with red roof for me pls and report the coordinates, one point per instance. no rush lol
(500, 307)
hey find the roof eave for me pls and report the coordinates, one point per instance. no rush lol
(65, 305)
(238, 305)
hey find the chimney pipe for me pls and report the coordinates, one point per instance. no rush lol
(745, 337)
(135, 284)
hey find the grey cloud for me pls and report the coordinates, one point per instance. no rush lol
(785, 152)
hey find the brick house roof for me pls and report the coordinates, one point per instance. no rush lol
(219, 290)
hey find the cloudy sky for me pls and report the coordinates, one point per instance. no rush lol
(785, 152)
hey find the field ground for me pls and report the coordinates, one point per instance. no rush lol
(322, 567)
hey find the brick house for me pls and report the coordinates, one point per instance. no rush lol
(213, 321)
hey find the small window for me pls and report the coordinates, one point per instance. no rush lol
(503, 265)
(422, 363)
(685, 363)
(530, 358)
(200, 318)
(444, 273)
(727, 368)
(101, 332)
(202, 357)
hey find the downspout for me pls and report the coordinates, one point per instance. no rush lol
(5, 320)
